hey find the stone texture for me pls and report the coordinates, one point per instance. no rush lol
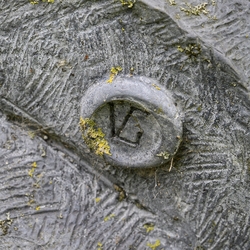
(50, 55)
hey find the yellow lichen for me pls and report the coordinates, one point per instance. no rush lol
(213, 17)
(36, 185)
(149, 227)
(31, 202)
(177, 16)
(179, 48)
(195, 10)
(4, 224)
(97, 199)
(113, 72)
(34, 164)
(191, 50)
(128, 3)
(172, 2)
(122, 194)
(199, 108)
(94, 137)
(99, 246)
(159, 111)
(107, 218)
(31, 172)
(155, 245)
(37, 208)
(155, 86)
(31, 134)
(37, 1)
(165, 155)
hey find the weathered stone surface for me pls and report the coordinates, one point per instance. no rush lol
(51, 54)
(140, 120)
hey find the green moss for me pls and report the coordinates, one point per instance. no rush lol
(94, 137)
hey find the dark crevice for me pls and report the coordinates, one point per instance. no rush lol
(119, 130)
(112, 118)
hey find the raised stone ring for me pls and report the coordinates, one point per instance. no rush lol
(140, 120)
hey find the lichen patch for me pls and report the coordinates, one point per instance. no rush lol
(94, 137)
(113, 72)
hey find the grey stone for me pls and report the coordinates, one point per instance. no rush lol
(141, 121)
(57, 193)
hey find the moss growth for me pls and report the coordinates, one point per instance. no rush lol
(94, 137)
(155, 245)
(113, 72)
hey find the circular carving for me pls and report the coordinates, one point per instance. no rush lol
(140, 121)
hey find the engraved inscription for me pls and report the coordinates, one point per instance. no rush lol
(125, 124)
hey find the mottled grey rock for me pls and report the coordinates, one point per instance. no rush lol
(56, 193)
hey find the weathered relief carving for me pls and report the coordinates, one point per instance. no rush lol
(124, 124)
